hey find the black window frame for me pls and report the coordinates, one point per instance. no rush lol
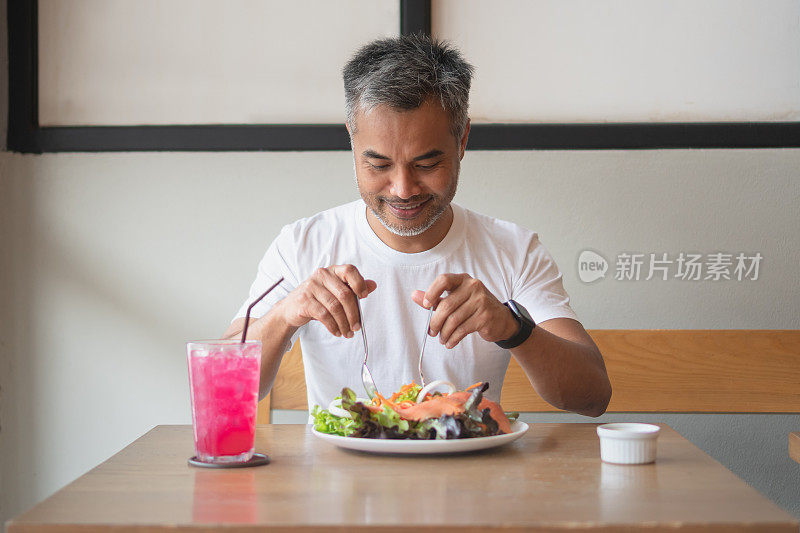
(27, 136)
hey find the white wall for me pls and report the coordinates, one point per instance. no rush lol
(628, 60)
(110, 262)
(195, 61)
(200, 61)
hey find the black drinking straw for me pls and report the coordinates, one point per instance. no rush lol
(247, 316)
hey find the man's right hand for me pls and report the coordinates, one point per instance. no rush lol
(329, 296)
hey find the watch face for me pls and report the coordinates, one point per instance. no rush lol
(521, 311)
(524, 312)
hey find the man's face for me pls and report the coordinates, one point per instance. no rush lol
(406, 165)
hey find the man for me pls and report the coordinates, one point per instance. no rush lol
(404, 247)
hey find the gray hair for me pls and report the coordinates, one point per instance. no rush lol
(404, 72)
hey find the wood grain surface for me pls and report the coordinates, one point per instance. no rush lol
(551, 479)
(707, 371)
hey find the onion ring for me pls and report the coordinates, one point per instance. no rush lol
(335, 408)
(432, 385)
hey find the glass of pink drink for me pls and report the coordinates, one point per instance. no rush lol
(223, 385)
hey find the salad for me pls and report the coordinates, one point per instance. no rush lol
(415, 413)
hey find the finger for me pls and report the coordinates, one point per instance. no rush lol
(470, 326)
(371, 286)
(442, 283)
(455, 318)
(332, 304)
(319, 312)
(446, 307)
(417, 297)
(352, 277)
(347, 300)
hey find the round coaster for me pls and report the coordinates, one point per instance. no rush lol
(258, 459)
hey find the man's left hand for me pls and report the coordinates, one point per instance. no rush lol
(468, 307)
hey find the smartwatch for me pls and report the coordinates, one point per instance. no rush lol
(525, 322)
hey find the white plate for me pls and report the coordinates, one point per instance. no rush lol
(518, 429)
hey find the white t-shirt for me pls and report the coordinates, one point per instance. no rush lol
(508, 259)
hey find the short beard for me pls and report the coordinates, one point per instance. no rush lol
(419, 230)
(410, 232)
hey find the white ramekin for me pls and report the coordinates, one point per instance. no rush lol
(628, 443)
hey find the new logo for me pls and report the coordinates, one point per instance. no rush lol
(591, 266)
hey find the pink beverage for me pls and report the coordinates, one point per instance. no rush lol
(223, 385)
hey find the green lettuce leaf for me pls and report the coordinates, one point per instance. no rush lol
(389, 418)
(385, 424)
(325, 422)
(410, 395)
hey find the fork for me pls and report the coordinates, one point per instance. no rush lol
(422, 351)
(366, 376)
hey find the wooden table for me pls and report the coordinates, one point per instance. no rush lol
(794, 446)
(550, 480)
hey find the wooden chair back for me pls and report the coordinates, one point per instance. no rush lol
(699, 371)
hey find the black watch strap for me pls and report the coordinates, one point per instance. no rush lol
(525, 322)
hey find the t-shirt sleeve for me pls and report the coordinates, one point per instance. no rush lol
(539, 287)
(278, 261)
